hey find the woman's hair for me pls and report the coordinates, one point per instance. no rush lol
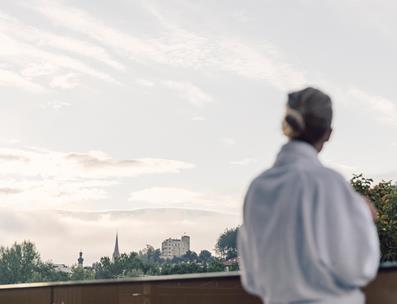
(308, 116)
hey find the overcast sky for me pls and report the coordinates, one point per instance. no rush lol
(128, 105)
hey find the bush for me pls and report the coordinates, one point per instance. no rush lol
(384, 196)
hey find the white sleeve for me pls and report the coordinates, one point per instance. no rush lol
(246, 251)
(246, 262)
(346, 236)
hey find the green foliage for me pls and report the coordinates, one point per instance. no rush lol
(150, 255)
(18, 263)
(190, 257)
(205, 256)
(47, 272)
(81, 274)
(124, 266)
(215, 265)
(384, 196)
(21, 263)
(234, 267)
(181, 268)
(226, 245)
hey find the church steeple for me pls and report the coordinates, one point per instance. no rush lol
(116, 252)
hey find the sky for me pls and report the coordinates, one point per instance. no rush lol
(150, 118)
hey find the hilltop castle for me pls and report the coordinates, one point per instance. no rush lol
(169, 248)
(175, 247)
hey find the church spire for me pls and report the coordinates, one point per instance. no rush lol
(116, 252)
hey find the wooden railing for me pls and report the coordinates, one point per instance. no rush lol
(210, 288)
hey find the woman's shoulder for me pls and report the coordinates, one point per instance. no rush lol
(303, 174)
(331, 175)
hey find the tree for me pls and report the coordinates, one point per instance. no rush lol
(150, 254)
(18, 263)
(384, 196)
(151, 261)
(177, 260)
(215, 265)
(205, 256)
(47, 272)
(181, 268)
(21, 263)
(190, 256)
(124, 266)
(226, 245)
(80, 274)
(103, 269)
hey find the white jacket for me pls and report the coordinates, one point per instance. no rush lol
(307, 236)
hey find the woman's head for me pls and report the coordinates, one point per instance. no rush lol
(308, 117)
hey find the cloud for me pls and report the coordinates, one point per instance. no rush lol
(67, 81)
(32, 177)
(33, 70)
(260, 62)
(178, 47)
(45, 39)
(92, 164)
(32, 193)
(9, 141)
(84, 23)
(20, 54)
(13, 157)
(240, 16)
(164, 195)
(244, 162)
(145, 83)
(199, 118)
(7, 191)
(56, 105)
(12, 79)
(94, 232)
(170, 197)
(383, 109)
(190, 92)
(229, 141)
(24, 49)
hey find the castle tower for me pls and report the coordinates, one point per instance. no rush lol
(116, 252)
(80, 260)
(185, 244)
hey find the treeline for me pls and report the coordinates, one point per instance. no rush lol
(21, 263)
(149, 262)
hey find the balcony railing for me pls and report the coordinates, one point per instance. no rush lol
(209, 288)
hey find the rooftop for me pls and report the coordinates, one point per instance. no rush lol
(208, 288)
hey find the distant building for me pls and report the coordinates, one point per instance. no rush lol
(116, 252)
(175, 247)
(80, 260)
(233, 262)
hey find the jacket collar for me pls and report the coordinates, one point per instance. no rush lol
(294, 151)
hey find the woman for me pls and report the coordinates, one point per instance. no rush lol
(307, 236)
